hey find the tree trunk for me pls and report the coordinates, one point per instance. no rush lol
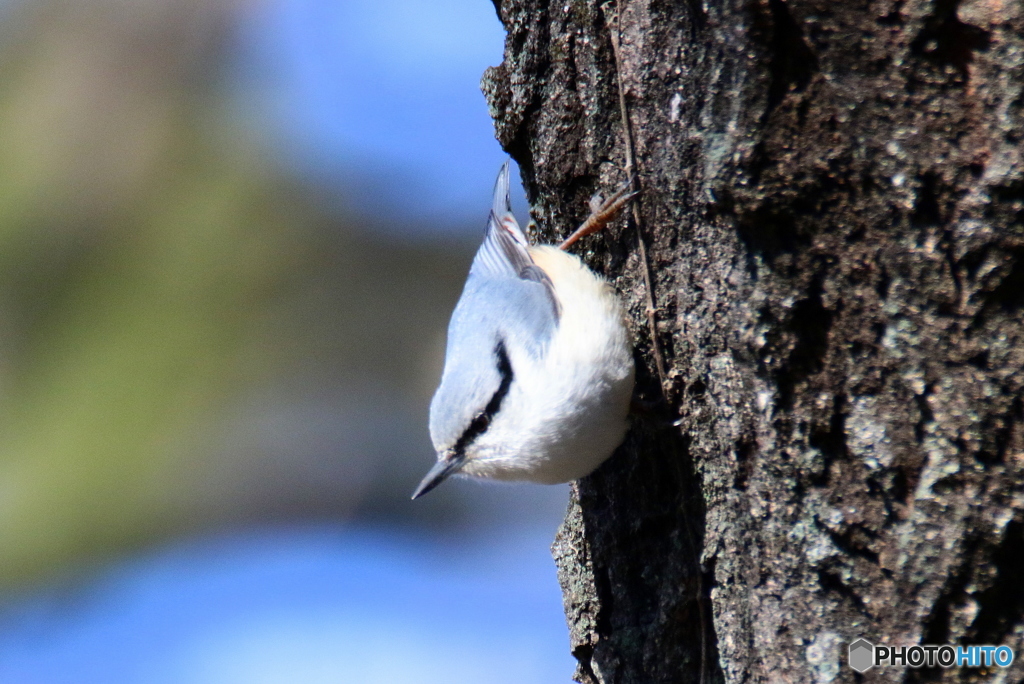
(831, 226)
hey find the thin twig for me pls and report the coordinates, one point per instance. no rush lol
(652, 324)
(659, 362)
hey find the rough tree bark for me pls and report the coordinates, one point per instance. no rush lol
(832, 214)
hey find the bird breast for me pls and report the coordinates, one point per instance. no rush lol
(566, 410)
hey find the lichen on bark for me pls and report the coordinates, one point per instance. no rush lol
(833, 214)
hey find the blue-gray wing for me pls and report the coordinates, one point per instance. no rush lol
(512, 313)
(508, 302)
(505, 250)
(514, 310)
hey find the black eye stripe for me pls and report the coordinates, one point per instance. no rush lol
(479, 425)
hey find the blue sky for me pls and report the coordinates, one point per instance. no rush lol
(379, 102)
(317, 605)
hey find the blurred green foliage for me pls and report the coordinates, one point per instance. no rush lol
(156, 274)
(137, 250)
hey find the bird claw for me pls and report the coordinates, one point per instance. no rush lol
(602, 214)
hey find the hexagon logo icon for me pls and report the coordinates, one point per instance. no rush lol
(862, 655)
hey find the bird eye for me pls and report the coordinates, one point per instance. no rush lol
(482, 421)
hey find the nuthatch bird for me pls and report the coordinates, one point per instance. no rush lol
(538, 374)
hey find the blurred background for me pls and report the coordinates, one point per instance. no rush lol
(231, 235)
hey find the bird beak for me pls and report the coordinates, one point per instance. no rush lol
(449, 463)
